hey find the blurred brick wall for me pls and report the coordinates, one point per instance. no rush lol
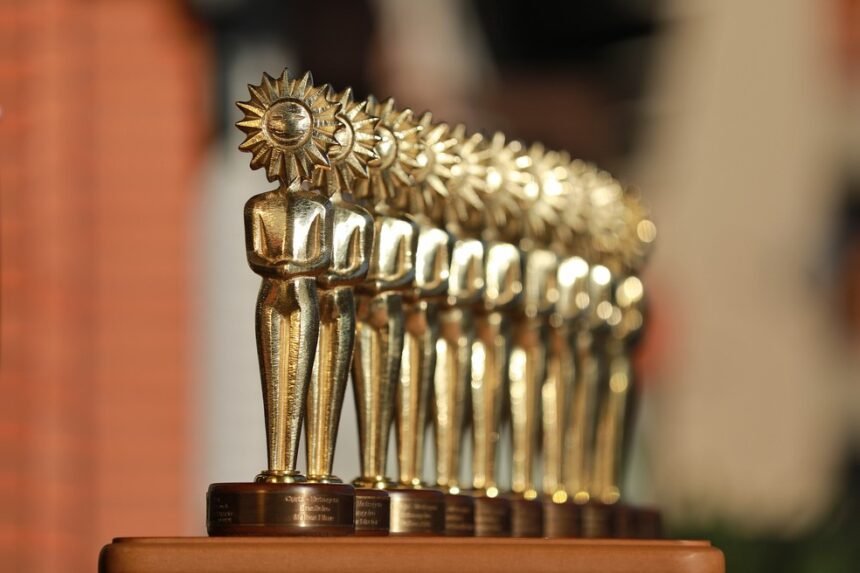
(103, 115)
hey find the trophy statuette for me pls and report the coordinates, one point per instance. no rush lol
(290, 125)
(461, 282)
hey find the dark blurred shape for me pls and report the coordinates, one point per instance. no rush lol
(572, 73)
(847, 258)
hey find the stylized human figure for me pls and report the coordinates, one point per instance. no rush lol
(527, 371)
(503, 276)
(452, 382)
(350, 260)
(424, 203)
(379, 318)
(288, 235)
(615, 409)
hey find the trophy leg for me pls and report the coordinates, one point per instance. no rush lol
(328, 385)
(376, 370)
(451, 397)
(323, 407)
(561, 514)
(526, 374)
(489, 375)
(379, 334)
(287, 330)
(281, 503)
(414, 510)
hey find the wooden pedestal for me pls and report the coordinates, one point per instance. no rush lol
(415, 555)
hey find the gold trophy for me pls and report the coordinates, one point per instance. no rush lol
(465, 221)
(614, 418)
(380, 327)
(350, 258)
(544, 172)
(477, 275)
(290, 125)
(492, 346)
(417, 510)
(564, 397)
(604, 224)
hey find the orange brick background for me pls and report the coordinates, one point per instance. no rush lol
(103, 114)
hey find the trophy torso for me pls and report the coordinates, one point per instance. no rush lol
(432, 259)
(466, 274)
(352, 241)
(540, 285)
(288, 234)
(572, 282)
(392, 266)
(503, 275)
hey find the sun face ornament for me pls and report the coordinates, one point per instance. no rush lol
(289, 127)
(397, 150)
(354, 147)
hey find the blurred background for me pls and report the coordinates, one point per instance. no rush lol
(127, 361)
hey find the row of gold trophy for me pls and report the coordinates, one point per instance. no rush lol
(464, 283)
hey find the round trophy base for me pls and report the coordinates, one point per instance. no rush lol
(279, 509)
(459, 515)
(562, 519)
(492, 516)
(526, 517)
(596, 520)
(372, 512)
(417, 512)
(649, 523)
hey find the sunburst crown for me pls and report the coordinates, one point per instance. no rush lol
(436, 160)
(397, 149)
(289, 126)
(501, 185)
(354, 147)
(606, 216)
(543, 194)
(467, 176)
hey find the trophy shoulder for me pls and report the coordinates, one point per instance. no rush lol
(432, 260)
(572, 281)
(503, 275)
(466, 276)
(540, 288)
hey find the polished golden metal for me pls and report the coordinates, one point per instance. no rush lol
(561, 189)
(288, 236)
(528, 360)
(350, 260)
(614, 416)
(479, 272)
(289, 126)
(422, 300)
(398, 149)
(380, 327)
(503, 275)
(465, 221)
